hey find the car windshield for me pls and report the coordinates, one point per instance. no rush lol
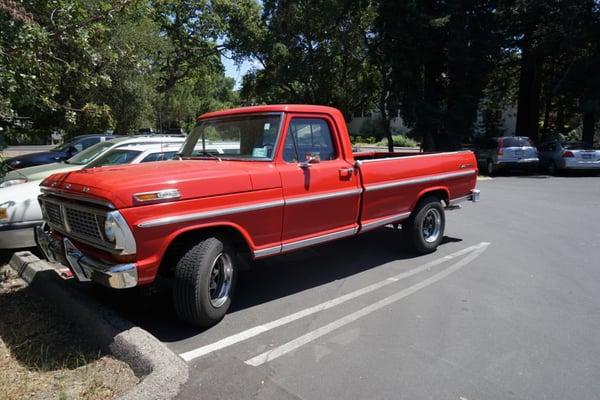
(90, 153)
(578, 146)
(248, 137)
(63, 147)
(516, 142)
(115, 157)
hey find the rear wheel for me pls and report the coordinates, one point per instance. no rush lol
(424, 230)
(491, 170)
(204, 282)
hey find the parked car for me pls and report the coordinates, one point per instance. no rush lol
(80, 160)
(60, 153)
(20, 211)
(508, 152)
(557, 155)
(292, 182)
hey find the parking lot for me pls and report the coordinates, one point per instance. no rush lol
(508, 307)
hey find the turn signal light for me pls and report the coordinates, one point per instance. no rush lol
(168, 194)
(568, 154)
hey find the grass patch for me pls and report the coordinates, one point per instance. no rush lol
(45, 356)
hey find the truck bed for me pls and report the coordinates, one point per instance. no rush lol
(393, 182)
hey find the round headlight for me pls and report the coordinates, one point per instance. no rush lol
(110, 227)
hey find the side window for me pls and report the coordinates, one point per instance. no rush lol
(159, 156)
(308, 137)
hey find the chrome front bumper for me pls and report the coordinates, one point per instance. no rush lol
(86, 268)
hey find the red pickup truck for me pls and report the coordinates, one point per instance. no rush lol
(248, 183)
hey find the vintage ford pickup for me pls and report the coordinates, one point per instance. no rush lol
(288, 179)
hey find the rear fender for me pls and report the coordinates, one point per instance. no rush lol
(441, 192)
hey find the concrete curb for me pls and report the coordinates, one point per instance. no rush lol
(163, 372)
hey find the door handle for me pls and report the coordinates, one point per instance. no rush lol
(346, 173)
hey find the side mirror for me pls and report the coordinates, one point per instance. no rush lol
(311, 158)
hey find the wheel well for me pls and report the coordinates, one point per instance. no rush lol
(439, 193)
(186, 240)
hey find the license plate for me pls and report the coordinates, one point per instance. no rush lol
(519, 154)
(3, 213)
(587, 156)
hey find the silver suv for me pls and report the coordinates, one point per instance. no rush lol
(508, 152)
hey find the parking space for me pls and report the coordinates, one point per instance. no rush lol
(506, 308)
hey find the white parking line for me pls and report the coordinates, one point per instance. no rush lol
(257, 330)
(317, 333)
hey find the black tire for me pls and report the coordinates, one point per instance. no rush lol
(413, 228)
(490, 169)
(195, 300)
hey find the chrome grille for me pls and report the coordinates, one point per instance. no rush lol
(54, 213)
(82, 223)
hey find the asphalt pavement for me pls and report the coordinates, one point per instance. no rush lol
(507, 308)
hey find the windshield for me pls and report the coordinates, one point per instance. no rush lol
(115, 157)
(90, 153)
(63, 147)
(248, 137)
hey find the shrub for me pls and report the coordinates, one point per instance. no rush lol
(399, 141)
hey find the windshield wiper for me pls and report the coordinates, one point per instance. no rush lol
(206, 154)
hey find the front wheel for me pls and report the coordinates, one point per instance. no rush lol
(424, 230)
(204, 282)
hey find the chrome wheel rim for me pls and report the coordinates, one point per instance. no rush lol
(432, 225)
(221, 277)
(490, 168)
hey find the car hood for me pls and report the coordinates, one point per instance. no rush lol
(40, 171)
(43, 156)
(193, 179)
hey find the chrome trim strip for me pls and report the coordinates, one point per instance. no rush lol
(209, 214)
(372, 160)
(318, 239)
(269, 251)
(73, 196)
(414, 181)
(318, 197)
(384, 221)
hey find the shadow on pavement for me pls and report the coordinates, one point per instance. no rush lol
(268, 280)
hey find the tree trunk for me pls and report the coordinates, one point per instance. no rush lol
(590, 116)
(530, 85)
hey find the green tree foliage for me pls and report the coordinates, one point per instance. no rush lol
(313, 52)
(89, 65)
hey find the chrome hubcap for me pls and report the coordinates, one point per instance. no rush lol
(432, 225)
(221, 277)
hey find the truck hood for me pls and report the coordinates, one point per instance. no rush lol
(193, 179)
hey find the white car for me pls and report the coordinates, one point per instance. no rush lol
(20, 211)
(80, 160)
